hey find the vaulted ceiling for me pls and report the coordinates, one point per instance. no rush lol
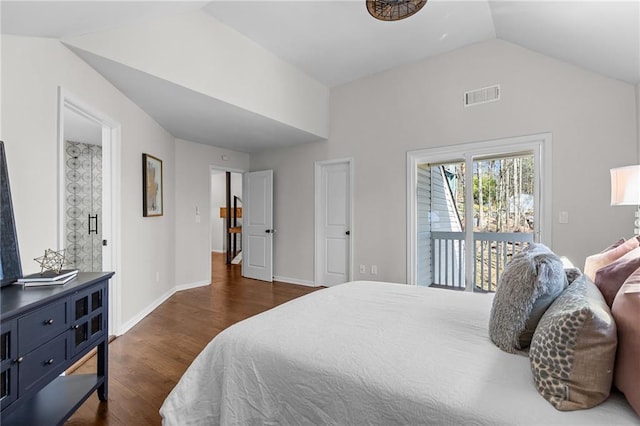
(335, 42)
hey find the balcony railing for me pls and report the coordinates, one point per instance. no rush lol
(492, 252)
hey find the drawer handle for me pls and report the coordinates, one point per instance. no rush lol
(48, 322)
(48, 362)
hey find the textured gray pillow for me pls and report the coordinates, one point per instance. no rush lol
(529, 284)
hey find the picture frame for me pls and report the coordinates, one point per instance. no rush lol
(152, 190)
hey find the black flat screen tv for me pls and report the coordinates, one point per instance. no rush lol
(10, 266)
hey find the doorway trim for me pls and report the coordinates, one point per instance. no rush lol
(111, 185)
(318, 166)
(539, 143)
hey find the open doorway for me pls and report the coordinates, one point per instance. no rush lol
(83, 192)
(226, 218)
(88, 193)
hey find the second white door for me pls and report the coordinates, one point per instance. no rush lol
(257, 229)
(333, 222)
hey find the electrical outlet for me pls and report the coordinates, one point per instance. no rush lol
(363, 269)
(374, 269)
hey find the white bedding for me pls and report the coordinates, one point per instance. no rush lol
(368, 353)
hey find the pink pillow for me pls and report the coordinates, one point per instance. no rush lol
(596, 261)
(614, 245)
(610, 278)
(626, 312)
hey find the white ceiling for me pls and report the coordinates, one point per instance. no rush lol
(337, 42)
(58, 19)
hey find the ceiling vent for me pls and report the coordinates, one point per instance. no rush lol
(482, 96)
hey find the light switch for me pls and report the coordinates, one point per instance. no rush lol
(563, 217)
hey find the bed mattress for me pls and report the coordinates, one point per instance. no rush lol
(369, 353)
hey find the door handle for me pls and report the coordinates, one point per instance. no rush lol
(89, 219)
(348, 233)
(270, 231)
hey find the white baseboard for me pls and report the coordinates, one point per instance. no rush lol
(295, 281)
(192, 285)
(159, 301)
(135, 320)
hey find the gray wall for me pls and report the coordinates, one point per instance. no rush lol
(376, 120)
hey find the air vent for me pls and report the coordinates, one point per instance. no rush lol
(482, 96)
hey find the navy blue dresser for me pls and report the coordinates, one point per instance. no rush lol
(43, 331)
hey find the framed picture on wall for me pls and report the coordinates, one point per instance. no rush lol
(151, 186)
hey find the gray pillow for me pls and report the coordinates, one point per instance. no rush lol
(531, 281)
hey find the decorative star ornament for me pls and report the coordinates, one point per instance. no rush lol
(51, 261)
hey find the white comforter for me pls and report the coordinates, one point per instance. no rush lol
(368, 353)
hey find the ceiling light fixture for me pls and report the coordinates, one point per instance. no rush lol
(394, 10)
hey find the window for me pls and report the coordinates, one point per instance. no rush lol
(472, 206)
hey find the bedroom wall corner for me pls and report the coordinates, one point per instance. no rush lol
(193, 191)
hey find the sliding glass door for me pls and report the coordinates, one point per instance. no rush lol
(471, 208)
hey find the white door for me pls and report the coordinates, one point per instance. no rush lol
(257, 227)
(333, 222)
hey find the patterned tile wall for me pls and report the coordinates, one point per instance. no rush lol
(83, 207)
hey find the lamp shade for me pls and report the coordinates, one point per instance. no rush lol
(625, 186)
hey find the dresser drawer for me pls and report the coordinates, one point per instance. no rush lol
(38, 367)
(40, 326)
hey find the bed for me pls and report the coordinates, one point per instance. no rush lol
(369, 353)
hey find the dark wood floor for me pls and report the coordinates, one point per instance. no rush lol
(147, 361)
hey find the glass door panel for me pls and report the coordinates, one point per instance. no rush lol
(503, 214)
(440, 224)
(83, 206)
(88, 314)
